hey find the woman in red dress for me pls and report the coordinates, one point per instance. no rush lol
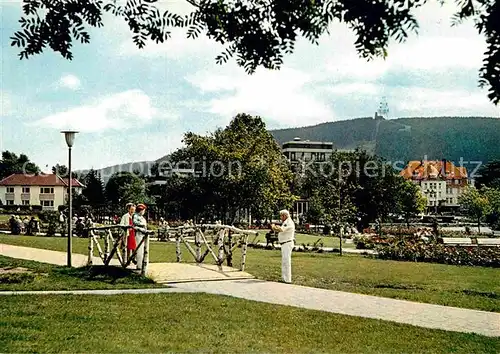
(127, 220)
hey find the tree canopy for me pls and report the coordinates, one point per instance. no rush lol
(489, 175)
(239, 167)
(352, 187)
(11, 163)
(257, 33)
(126, 187)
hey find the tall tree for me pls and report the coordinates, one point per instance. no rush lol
(257, 33)
(94, 188)
(493, 215)
(11, 163)
(126, 187)
(475, 205)
(410, 200)
(239, 167)
(489, 175)
(61, 170)
(353, 186)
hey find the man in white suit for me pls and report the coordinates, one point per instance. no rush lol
(286, 238)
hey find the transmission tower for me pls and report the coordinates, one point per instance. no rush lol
(383, 108)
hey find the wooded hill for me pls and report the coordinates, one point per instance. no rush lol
(403, 139)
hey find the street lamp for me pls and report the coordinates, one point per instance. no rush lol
(69, 135)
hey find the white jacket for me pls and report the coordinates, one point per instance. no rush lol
(287, 231)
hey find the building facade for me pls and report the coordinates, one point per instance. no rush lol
(441, 182)
(48, 190)
(302, 151)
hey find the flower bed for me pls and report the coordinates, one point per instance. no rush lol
(417, 250)
(370, 241)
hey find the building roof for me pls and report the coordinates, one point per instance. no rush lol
(422, 170)
(46, 180)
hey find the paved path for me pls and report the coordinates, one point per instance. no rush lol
(413, 313)
(163, 273)
(47, 256)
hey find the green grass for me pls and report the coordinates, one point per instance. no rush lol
(311, 240)
(51, 277)
(209, 324)
(460, 286)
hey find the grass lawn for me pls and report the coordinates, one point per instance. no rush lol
(51, 277)
(210, 324)
(460, 286)
(328, 241)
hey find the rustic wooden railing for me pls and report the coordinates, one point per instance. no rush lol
(226, 239)
(116, 246)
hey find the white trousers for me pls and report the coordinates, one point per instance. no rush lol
(140, 250)
(286, 261)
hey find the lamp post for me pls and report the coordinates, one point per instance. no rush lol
(69, 135)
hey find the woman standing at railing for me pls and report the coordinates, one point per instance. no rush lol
(141, 229)
(126, 220)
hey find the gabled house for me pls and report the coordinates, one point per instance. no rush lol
(48, 190)
(440, 181)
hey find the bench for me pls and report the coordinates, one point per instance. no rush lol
(459, 241)
(271, 237)
(488, 241)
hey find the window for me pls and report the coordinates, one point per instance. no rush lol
(47, 190)
(10, 189)
(26, 189)
(47, 203)
(26, 202)
(9, 202)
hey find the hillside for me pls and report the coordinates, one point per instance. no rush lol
(403, 139)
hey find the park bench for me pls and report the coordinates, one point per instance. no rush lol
(271, 237)
(457, 241)
(488, 242)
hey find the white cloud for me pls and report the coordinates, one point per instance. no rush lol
(451, 102)
(69, 81)
(115, 112)
(279, 96)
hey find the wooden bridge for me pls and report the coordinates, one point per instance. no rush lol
(219, 246)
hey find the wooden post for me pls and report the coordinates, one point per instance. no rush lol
(197, 242)
(125, 245)
(229, 248)
(106, 247)
(145, 258)
(222, 234)
(91, 248)
(244, 253)
(178, 247)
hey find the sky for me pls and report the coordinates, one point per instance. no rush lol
(130, 104)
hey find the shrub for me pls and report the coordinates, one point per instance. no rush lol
(51, 219)
(417, 250)
(369, 242)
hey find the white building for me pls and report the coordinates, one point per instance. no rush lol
(48, 190)
(300, 153)
(441, 182)
(298, 150)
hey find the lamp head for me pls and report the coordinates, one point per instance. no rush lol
(69, 135)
